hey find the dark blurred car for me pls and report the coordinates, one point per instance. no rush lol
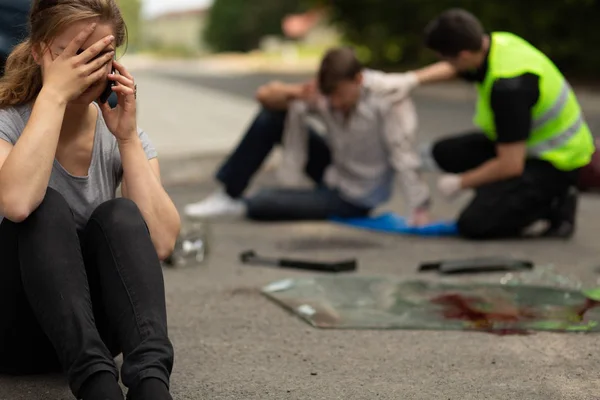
(14, 15)
(14, 18)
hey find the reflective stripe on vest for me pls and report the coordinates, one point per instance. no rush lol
(554, 111)
(556, 141)
(556, 108)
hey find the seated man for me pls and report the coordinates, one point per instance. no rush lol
(370, 125)
(533, 139)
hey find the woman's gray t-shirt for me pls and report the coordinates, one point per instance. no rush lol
(83, 194)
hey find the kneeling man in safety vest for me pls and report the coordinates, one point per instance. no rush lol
(532, 139)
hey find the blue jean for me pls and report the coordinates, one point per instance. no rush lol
(275, 204)
(298, 204)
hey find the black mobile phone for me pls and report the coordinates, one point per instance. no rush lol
(108, 90)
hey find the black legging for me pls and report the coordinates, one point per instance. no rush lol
(76, 299)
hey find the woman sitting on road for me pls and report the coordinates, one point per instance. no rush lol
(80, 276)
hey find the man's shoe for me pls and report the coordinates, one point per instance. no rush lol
(219, 204)
(564, 215)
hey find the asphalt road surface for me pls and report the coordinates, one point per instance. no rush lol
(429, 107)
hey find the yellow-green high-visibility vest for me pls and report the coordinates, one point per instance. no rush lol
(559, 133)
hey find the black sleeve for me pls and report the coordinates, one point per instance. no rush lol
(470, 76)
(511, 101)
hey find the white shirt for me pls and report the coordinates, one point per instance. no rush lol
(370, 147)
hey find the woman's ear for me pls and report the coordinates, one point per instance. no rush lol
(36, 53)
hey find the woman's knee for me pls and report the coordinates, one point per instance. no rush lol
(122, 213)
(53, 210)
(53, 202)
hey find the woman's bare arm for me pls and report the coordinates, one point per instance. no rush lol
(25, 168)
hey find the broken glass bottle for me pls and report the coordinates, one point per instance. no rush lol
(191, 248)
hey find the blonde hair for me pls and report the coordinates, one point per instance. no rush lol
(22, 80)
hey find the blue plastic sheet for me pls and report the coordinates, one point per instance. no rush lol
(393, 223)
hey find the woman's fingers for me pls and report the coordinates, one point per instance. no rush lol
(122, 70)
(78, 41)
(95, 51)
(122, 80)
(127, 91)
(98, 63)
(96, 76)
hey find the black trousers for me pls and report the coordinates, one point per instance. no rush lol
(501, 209)
(279, 204)
(72, 300)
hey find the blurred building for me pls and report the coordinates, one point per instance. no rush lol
(311, 27)
(178, 31)
(309, 30)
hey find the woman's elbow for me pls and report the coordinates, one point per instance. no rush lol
(14, 209)
(17, 215)
(165, 252)
(166, 246)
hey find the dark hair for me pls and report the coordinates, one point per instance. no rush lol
(453, 31)
(339, 64)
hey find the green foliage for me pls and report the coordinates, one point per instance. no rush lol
(131, 11)
(238, 25)
(389, 32)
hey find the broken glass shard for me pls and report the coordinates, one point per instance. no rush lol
(362, 302)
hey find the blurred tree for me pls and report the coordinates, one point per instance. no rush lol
(389, 32)
(131, 10)
(238, 25)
